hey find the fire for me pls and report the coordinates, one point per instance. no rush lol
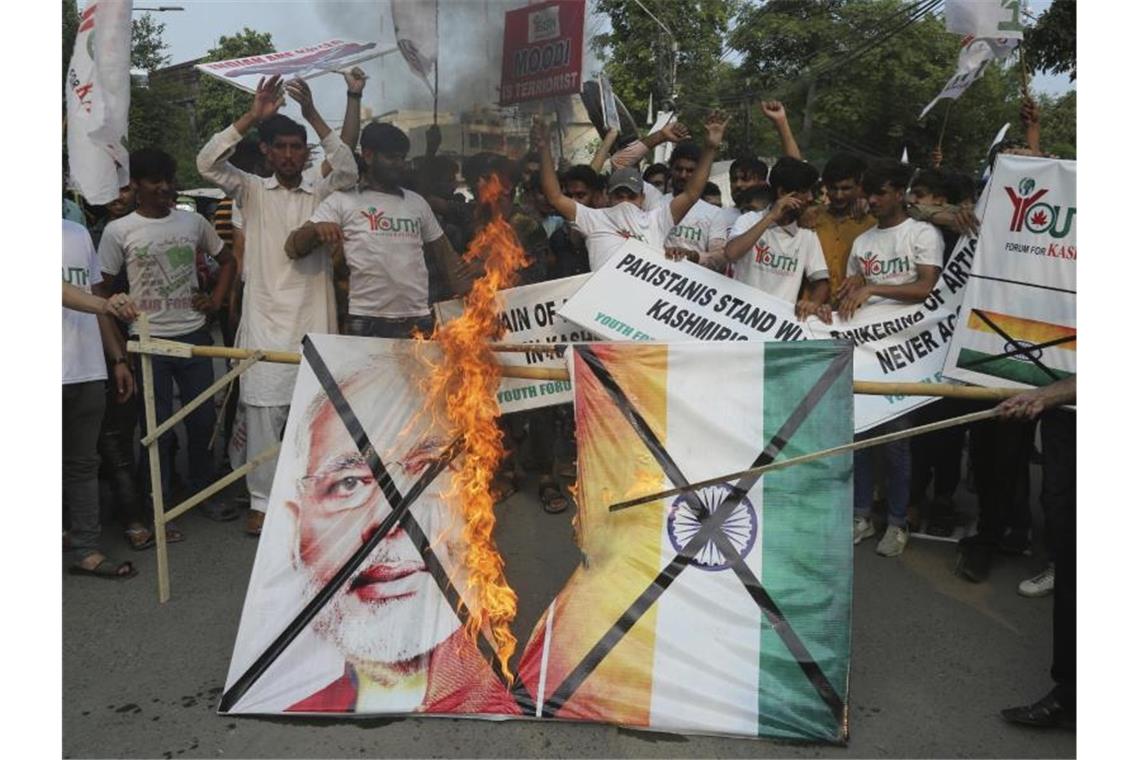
(465, 382)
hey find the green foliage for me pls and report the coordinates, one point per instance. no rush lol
(147, 45)
(853, 74)
(1051, 44)
(220, 104)
(1059, 124)
(70, 28)
(156, 121)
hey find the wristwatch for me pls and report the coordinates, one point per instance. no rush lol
(357, 95)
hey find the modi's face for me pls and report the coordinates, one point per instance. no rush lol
(391, 609)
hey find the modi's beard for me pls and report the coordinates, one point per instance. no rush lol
(388, 632)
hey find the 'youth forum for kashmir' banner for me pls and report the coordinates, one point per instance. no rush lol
(639, 295)
(530, 315)
(1019, 318)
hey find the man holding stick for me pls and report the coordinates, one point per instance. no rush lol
(283, 298)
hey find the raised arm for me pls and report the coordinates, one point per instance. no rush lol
(715, 125)
(603, 151)
(673, 132)
(350, 129)
(773, 110)
(1031, 121)
(539, 141)
(212, 163)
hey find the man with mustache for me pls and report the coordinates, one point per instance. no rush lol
(404, 647)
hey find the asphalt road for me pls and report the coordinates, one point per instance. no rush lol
(933, 661)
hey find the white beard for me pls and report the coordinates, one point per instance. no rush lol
(387, 632)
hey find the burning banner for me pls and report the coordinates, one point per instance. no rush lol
(1018, 323)
(728, 609)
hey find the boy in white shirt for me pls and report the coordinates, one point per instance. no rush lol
(897, 260)
(770, 251)
(607, 229)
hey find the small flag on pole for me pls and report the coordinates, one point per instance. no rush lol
(417, 35)
(975, 56)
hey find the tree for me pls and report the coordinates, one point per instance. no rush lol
(1051, 43)
(147, 45)
(70, 29)
(1059, 124)
(220, 104)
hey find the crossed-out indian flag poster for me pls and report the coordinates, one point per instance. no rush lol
(1018, 349)
(724, 611)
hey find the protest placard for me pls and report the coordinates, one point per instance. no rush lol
(306, 63)
(530, 315)
(1019, 316)
(542, 51)
(640, 295)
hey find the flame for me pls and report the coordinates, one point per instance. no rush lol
(465, 383)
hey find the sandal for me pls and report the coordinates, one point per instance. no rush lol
(552, 498)
(504, 486)
(173, 535)
(106, 569)
(568, 470)
(139, 538)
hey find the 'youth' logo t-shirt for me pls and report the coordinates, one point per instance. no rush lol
(607, 229)
(384, 238)
(779, 260)
(891, 256)
(159, 256)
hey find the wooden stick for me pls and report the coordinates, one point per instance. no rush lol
(534, 373)
(218, 485)
(155, 466)
(221, 423)
(854, 446)
(1024, 71)
(528, 348)
(202, 397)
(213, 352)
(945, 118)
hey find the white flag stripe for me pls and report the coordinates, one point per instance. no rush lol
(984, 18)
(710, 610)
(973, 59)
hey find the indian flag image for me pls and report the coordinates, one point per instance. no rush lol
(727, 609)
(1018, 349)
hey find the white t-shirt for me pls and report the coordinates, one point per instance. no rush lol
(159, 256)
(82, 344)
(890, 256)
(722, 224)
(779, 260)
(694, 232)
(384, 238)
(607, 229)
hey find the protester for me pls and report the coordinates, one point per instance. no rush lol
(567, 243)
(845, 216)
(656, 175)
(283, 298)
(156, 245)
(897, 260)
(607, 229)
(84, 376)
(689, 237)
(769, 251)
(1059, 497)
(387, 230)
(747, 177)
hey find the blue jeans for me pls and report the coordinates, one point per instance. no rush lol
(193, 376)
(383, 327)
(897, 455)
(83, 405)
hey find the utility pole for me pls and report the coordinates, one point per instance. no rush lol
(809, 103)
(676, 50)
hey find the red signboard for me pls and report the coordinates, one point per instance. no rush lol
(542, 51)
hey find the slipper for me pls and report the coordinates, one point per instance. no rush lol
(504, 487)
(106, 569)
(139, 538)
(568, 469)
(173, 535)
(220, 511)
(552, 498)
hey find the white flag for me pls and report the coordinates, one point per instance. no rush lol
(976, 54)
(904, 158)
(985, 18)
(417, 35)
(98, 100)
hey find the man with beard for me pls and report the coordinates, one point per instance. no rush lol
(771, 252)
(747, 181)
(283, 298)
(404, 647)
(386, 230)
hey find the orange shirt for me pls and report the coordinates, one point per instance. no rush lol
(836, 235)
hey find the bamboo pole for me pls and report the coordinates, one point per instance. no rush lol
(854, 446)
(221, 483)
(202, 397)
(155, 466)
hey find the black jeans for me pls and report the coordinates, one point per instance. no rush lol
(382, 327)
(937, 456)
(1000, 453)
(83, 405)
(1059, 497)
(117, 442)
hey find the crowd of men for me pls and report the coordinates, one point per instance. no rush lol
(365, 242)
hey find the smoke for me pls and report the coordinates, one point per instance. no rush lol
(470, 52)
